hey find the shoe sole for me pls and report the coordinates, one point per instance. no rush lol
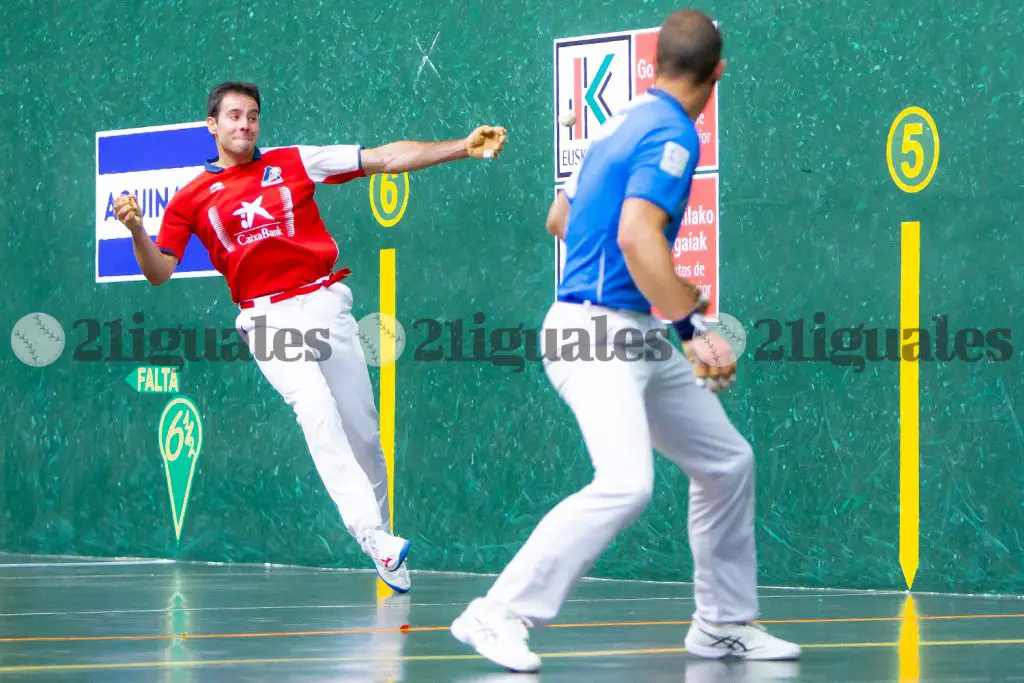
(460, 631)
(397, 589)
(716, 653)
(402, 555)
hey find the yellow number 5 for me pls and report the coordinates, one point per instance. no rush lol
(918, 164)
(912, 146)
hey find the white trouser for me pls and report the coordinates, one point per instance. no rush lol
(332, 396)
(624, 408)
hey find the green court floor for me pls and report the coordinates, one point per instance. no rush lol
(69, 619)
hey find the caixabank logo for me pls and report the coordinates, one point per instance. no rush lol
(593, 80)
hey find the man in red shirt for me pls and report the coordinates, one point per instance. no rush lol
(255, 213)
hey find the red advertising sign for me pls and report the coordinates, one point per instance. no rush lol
(595, 76)
(695, 249)
(646, 50)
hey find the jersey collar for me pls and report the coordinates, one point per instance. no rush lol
(212, 168)
(658, 92)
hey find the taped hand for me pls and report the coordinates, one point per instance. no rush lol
(714, 363)
(486, 142)
(126, 210)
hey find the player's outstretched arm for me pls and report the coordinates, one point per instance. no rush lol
(403, 156)
(642, 241)
(155, 264)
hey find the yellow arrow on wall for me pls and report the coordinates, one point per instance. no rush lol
(910, 285)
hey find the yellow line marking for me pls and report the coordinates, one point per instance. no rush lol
(909, 650)
(923, 643)
(910, 283)
(387, 390)
(387, 373)
(429, 629)
(451, 658)
(211, 636)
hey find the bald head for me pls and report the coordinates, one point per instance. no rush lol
(689, 46)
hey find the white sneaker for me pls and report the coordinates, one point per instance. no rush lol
(397, 580)
(388, 554)
(497, 634)
(746, 641)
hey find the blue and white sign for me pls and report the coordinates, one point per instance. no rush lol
(153, 164)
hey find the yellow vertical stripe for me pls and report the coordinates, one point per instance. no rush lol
(909, 645)
(910, 285)
(387, 387)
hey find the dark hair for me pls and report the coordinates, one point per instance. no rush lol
(217, 94)
(689, 44)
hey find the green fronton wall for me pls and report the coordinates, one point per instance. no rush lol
(809, 221)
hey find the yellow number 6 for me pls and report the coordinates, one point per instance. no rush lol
(388, 198)
(388, 192)
(912, 146)
(174, 432)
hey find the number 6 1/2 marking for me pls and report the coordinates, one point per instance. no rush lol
(386, 196)
(181, 429)
(909, 143)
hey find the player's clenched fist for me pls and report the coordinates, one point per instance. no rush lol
(486, 142)
(126, 210)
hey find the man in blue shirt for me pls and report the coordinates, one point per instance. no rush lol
(629, 389)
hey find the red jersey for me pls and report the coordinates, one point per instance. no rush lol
(258, 220)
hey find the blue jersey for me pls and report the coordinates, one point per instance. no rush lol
(648, 150)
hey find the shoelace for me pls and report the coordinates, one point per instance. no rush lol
(751, 624)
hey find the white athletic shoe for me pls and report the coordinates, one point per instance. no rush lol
(388, 554)
(497, 634)
(397, 580)
(746, 641)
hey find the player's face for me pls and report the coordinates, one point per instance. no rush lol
(237, 126)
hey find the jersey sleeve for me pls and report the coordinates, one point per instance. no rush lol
(662, 167)
(572, 183)
(332, 164)
(175, 228)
